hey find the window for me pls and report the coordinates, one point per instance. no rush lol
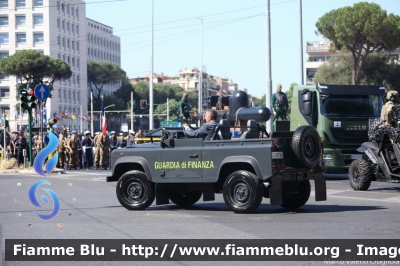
(37, 2)
(58, 23)
(73, 61)
(4, 77)
(59, 56)
(65, 94)
(21, 20)
(62, 7)
(72, 11)
(68, 60)
(64, 57)
(3, 3)
(20, 3)
(3, 55)
(310, 75)
(59, 40)
(73, 96)
(63, 42)
(58, 5)
(59, 96)
(3, 21)
(68, 43)
(68, 9)
(38, 38)
(77, 45)
(38, 19)
(69, 95)
(77, 64)
(78, 93)
(77, 29)
(63, 25)
(73, 45)
(73, 28)
(88, 51)
(21, 38)
(77, 14)
(67, 26)
(5, 93)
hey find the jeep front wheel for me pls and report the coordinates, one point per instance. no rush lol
(184, 199)
(243, 192)
(360, 175)
(135, 191)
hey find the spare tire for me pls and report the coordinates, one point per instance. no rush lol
(306, 145)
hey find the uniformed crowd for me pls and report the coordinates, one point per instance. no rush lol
(74, 151)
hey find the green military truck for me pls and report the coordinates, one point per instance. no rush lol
(244, 170)
(340, 114)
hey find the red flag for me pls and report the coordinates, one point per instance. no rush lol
(104, 126)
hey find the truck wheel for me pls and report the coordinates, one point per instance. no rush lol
(360, 175)
(295, 194)
(243, 192)
(135, 191)
(306, 145)
(184, 199)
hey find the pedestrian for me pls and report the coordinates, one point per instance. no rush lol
(139, 135)
(105, 152)
(80, 151)
(38, 144)
(61, 152)
(280, 104)
(12, 147)
(99, 145)
(20, 146)
(113, 141)
(87, 145)
(184, 108)
(72, 146)
(130, 138)
(67, 151)
(121, 142)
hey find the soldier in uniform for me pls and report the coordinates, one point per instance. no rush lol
(20, 146)
(392, 98)
(80, 152)
(280, 104)
(61, 152)
(72, 146)
(38, 144)
(12, 144)
(87, 145)
(67, 151)
(130, 139)
(121, 142)
(140, 134)
(113, 141)
(105, 152)
(98, 146)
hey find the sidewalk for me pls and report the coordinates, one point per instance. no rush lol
(29, 171)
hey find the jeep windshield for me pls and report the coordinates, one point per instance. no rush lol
(351, 105)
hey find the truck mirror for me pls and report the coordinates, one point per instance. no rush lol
(307, 103)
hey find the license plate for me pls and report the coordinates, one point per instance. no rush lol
(356, 156)
(277, 155)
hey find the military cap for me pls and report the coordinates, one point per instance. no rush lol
(131, 131)
(21, 134)
(121, 134)
(74, 132)
(97, 133)
(112, 132)
(86, 132)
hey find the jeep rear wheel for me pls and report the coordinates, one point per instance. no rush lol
(360, 175)
(184, 199)
(306, 145)
(135, 191)
(243, 192)
(295, 193)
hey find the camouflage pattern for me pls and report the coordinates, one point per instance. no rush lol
(98, 147)
(386, 114)
(73, 160)
(105, 151)
(61, 153)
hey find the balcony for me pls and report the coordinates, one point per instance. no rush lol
(321, 46)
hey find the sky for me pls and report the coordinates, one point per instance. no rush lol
(234, 36)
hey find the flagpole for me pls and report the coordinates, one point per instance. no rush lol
(91, 114)
(81, 120)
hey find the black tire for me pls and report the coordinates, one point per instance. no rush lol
(135, 191)
(360, 175)
(306, 145)
(295, 194)
(243, 192)
(185, 199)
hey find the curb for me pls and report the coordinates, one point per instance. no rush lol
(29, 171)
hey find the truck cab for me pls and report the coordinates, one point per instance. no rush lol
(341, 114)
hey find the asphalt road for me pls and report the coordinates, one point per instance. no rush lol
(90, 209)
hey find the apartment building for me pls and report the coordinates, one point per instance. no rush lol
(103, 46)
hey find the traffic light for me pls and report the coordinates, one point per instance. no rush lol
(28, 99)
(143, 104)
(52, 122)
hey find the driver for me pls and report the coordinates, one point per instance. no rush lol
(392, 98)
(206, 129)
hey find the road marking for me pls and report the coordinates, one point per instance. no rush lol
(335, 191)
(86, 173)
(384, 200)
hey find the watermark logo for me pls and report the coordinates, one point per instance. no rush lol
(50, 152)
(35, 202)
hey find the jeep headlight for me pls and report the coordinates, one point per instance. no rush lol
(327, 156)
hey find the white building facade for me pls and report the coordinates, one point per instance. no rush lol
(103, 46)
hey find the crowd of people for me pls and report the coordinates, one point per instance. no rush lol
(75, 151)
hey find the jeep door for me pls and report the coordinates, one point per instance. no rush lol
(181, 160)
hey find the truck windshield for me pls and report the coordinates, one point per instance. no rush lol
(351, 106)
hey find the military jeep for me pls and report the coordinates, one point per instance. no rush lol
(244, 170)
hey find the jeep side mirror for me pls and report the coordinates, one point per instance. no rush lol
(307, 103)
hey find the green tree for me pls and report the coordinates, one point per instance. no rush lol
(378, 69)
(289, 94)
(35, 68)
(360, 29)
(173, 110)
(102, 73)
